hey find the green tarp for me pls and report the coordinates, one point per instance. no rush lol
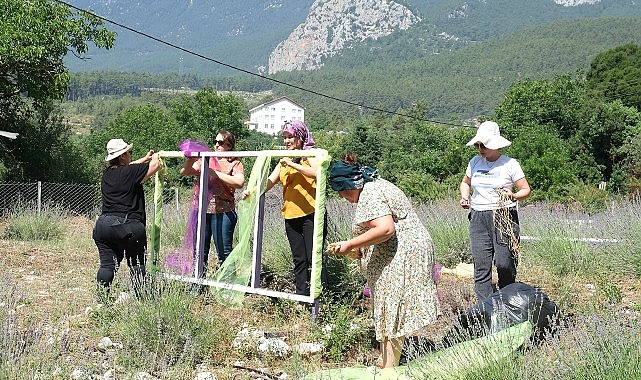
(454, 362)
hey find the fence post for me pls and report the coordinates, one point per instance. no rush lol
(39, 197)
(177, 204)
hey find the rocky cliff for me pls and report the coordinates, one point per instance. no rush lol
(333, 25)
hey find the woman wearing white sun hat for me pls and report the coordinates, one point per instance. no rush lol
(120, 229)
(493, 176)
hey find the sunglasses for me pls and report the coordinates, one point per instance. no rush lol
(479, 146)
(220, 142)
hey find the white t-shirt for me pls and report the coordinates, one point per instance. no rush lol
(487, 177)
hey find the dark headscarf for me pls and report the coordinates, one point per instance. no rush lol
(344, 176)
(300, 130)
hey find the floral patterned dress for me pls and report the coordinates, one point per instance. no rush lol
(399, 271)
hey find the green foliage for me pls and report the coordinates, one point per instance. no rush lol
(546, 160)
(340, 333)
(29, 348)
(43, 150)
(591, 199)
(164, 330)
(34, 38)
(562, 137)
(29, 224)
(448, 225)
(202, 116)
(614, 75)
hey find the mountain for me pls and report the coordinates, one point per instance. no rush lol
(459, 84)
(454, 57)
(263, 36)
(238, 33)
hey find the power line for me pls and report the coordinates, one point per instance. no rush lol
(255, 74)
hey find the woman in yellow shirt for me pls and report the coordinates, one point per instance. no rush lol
(298, 177)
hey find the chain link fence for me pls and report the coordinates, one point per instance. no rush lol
(74, 198)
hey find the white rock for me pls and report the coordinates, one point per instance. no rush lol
(109, 375)
(247, 338)
(79, 374)
(274, 346)
(143, 376)
(205, 376)
(306, 349)
(122, 297)
(104, 344)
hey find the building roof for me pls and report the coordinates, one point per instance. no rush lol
(274, 101)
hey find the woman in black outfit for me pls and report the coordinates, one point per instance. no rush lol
(120, 229)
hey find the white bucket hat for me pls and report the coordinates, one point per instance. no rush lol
(116, 147)
(488, 134)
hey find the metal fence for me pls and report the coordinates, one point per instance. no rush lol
(74, 198)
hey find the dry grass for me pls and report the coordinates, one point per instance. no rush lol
(58, 281)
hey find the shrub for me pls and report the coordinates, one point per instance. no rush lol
(341, 333)
(162, 330)
(28, 224)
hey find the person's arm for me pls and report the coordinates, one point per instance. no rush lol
(143, 159)
(235, 180)
(464, 189)
(191, 167)
(273, 178)
(154, 165)
(307, 171)
(380, 230)
(522, 190)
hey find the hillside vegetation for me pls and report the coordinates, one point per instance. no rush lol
(460, 84)
(453, 85)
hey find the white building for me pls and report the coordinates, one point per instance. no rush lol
(269, 117)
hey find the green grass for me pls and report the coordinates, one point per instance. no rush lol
(27, 223)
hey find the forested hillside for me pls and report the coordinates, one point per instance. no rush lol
(465, 83)
(244, 33)
(462, 84)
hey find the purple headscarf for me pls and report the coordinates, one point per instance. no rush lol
(300, 130)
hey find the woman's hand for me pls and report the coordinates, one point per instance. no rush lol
(343, 248)
(506, 194)
(285, 161)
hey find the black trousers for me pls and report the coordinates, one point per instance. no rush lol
(117, 238)
(300, 233)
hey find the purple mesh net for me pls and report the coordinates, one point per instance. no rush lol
(182, 261)
(190, 145)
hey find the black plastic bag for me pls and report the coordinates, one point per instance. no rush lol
(511, 305)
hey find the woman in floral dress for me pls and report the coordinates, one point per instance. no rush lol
(396, 253)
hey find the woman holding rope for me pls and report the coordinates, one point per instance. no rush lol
(494, 219)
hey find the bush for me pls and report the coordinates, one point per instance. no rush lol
(29, 224)
(341, 334)
(163, 329)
